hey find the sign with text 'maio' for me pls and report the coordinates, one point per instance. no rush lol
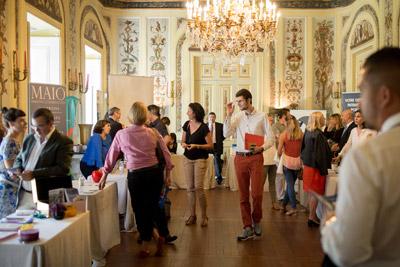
(51, 96)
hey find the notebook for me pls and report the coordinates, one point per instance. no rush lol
(252, 140)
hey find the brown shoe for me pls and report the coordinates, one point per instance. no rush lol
(275, 206)
(291, 212)
(191, 220)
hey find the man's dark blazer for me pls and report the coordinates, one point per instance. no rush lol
(219, 138)
(346, 135)
(52, 168)
(115, 127)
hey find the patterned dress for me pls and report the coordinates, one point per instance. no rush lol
(9, 188)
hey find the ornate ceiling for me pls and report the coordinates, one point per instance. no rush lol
(182, 3)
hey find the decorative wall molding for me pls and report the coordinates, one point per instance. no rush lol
(323, 62)
(179, 82)
(3, 51)
(157, 57)
(72, 34)
(128, 43)
(49, 7)
(370, 10)
(388, 22)
(272, 74)
(362, 34)
(344, 20)
(108, 20)
(294, 61)
(182, 4)
(92, 33)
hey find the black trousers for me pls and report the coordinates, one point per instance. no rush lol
(145, 188)
(87, 170)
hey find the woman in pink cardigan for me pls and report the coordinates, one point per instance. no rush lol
(145, 173)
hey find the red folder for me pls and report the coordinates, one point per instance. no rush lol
(253, 140)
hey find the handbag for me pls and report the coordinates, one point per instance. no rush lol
(279, 170)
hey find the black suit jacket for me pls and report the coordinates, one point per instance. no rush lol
(346, 135)
(219, 138)
(115, 127)
(52, 168)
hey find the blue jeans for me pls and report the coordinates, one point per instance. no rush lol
(290, 194)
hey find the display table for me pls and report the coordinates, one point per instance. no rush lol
(178, 179)
(61, 243)
(104, 221)
(231, 179)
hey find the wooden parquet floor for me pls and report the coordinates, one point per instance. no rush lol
(286, 240)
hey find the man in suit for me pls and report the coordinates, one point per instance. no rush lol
(217, 134)
(113, 116)
(348, 123)
(155, 122)
(45, 156)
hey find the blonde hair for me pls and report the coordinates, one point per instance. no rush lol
(316, 121)
(293, 129)
(138, 113)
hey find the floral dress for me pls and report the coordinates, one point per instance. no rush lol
(9, 187)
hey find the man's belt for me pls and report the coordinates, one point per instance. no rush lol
(247, 154)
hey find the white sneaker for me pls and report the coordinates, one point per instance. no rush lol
(247, 233)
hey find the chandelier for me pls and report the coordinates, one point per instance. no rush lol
(228, 29)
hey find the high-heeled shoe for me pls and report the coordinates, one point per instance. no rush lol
(312, 223)
(191, 220)
(204, 222)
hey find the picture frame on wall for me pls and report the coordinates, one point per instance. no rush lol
(244, 71)
(207, 70)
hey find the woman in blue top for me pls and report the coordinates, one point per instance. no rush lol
(97, 148)
(14, 121)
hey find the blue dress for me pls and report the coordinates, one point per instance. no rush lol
(9, 188)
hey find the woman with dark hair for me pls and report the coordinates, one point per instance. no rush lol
(358, 135)
(14, 121)
(97, 148)
(173, 145)
(197, 141)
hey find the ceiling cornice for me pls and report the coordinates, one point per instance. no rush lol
(182, 4)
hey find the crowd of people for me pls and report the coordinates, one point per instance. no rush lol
(368, 162)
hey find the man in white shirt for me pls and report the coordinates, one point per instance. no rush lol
(45, 156)
(248, 163)
(366, 228)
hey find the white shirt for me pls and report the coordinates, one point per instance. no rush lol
(253, 123)
(34, 157)
(356, 139)
(211, 126)
(367, 227)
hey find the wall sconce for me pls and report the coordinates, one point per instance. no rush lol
(171, 94)
(75, 82)
(336, 91)
(17, 72)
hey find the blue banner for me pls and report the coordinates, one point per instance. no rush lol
(351, 100)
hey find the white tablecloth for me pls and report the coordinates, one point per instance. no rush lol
(61, 243)
(178, 179)
(231, 179)
(104, 221)
(124, 199)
